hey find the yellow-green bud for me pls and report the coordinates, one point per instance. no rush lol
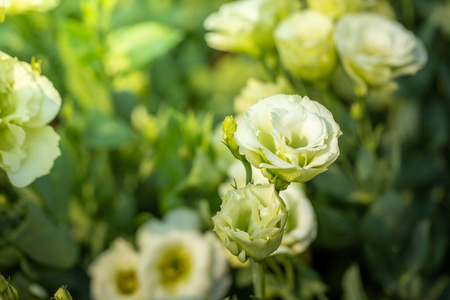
(62, 294)
(356, 111)
(7, 290)
(229, 127)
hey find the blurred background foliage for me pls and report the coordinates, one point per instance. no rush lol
(142, 99)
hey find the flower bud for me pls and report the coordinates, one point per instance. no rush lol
(62, 294)
(7, 290)
(229, 127)
(251, 221)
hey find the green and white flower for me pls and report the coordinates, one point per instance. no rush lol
(114, 273)
(28, 146)
(246, 26)
(178, 262)
(337, 8)
(301, 226)
(305, 43)
(374, 50)
(251, 221)
(290, 138)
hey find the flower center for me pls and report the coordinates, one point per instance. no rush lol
(126, 282)
(175, 265)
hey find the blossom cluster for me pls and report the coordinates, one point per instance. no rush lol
(312, 42)
(175, 261)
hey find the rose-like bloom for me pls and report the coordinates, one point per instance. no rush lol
(301, 227)
(337, 8)
(290, 138)
(255, 90)
(114, 273)
(305, 43)
(28, 146)
(246, 26)
(178, 262)
(251, 221)
(374, 50)
(21, 6)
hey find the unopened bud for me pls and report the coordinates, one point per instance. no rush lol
(229, 127)
(7, 290)
(62, 294)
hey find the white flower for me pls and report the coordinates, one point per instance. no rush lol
(255, 90)
(301, 226)
(114, 273)
(251, 221)
(337, 8)
(305, 43)
(374, 50)
(290, 138)
(21, 6)
(28, 146)
(246, 26)
(178, 262)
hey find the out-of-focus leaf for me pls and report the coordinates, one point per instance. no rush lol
(365, 163)
(134, 46)
(77, 53)
(44, 242)
(61, 176)
(106, 132)
(352, 285)
(337, 228)
(123, 212)
(420, 243)
(334, 182)
(9, 256)
(436, 123)
(385, 222)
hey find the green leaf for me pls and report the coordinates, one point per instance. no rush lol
(365, 163)
(386, 221)
(61, 176)
(75, 45)
(45, 242)
(135, 46)
(352, 285)
(334, 182)
(106, 132)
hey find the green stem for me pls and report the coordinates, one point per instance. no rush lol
(248, 171)
(258, 278)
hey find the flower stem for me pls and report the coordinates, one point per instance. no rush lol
(258, 278)
(248, 171)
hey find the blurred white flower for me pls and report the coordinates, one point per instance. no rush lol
(337, 8)
(251, 221)
(305, 43)
(21, 6)
(246, 26)
(374, 50)
(28, 146)
(290, 138)
(301, 226)
(178, 262)
(256, 90)
(114, 273)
